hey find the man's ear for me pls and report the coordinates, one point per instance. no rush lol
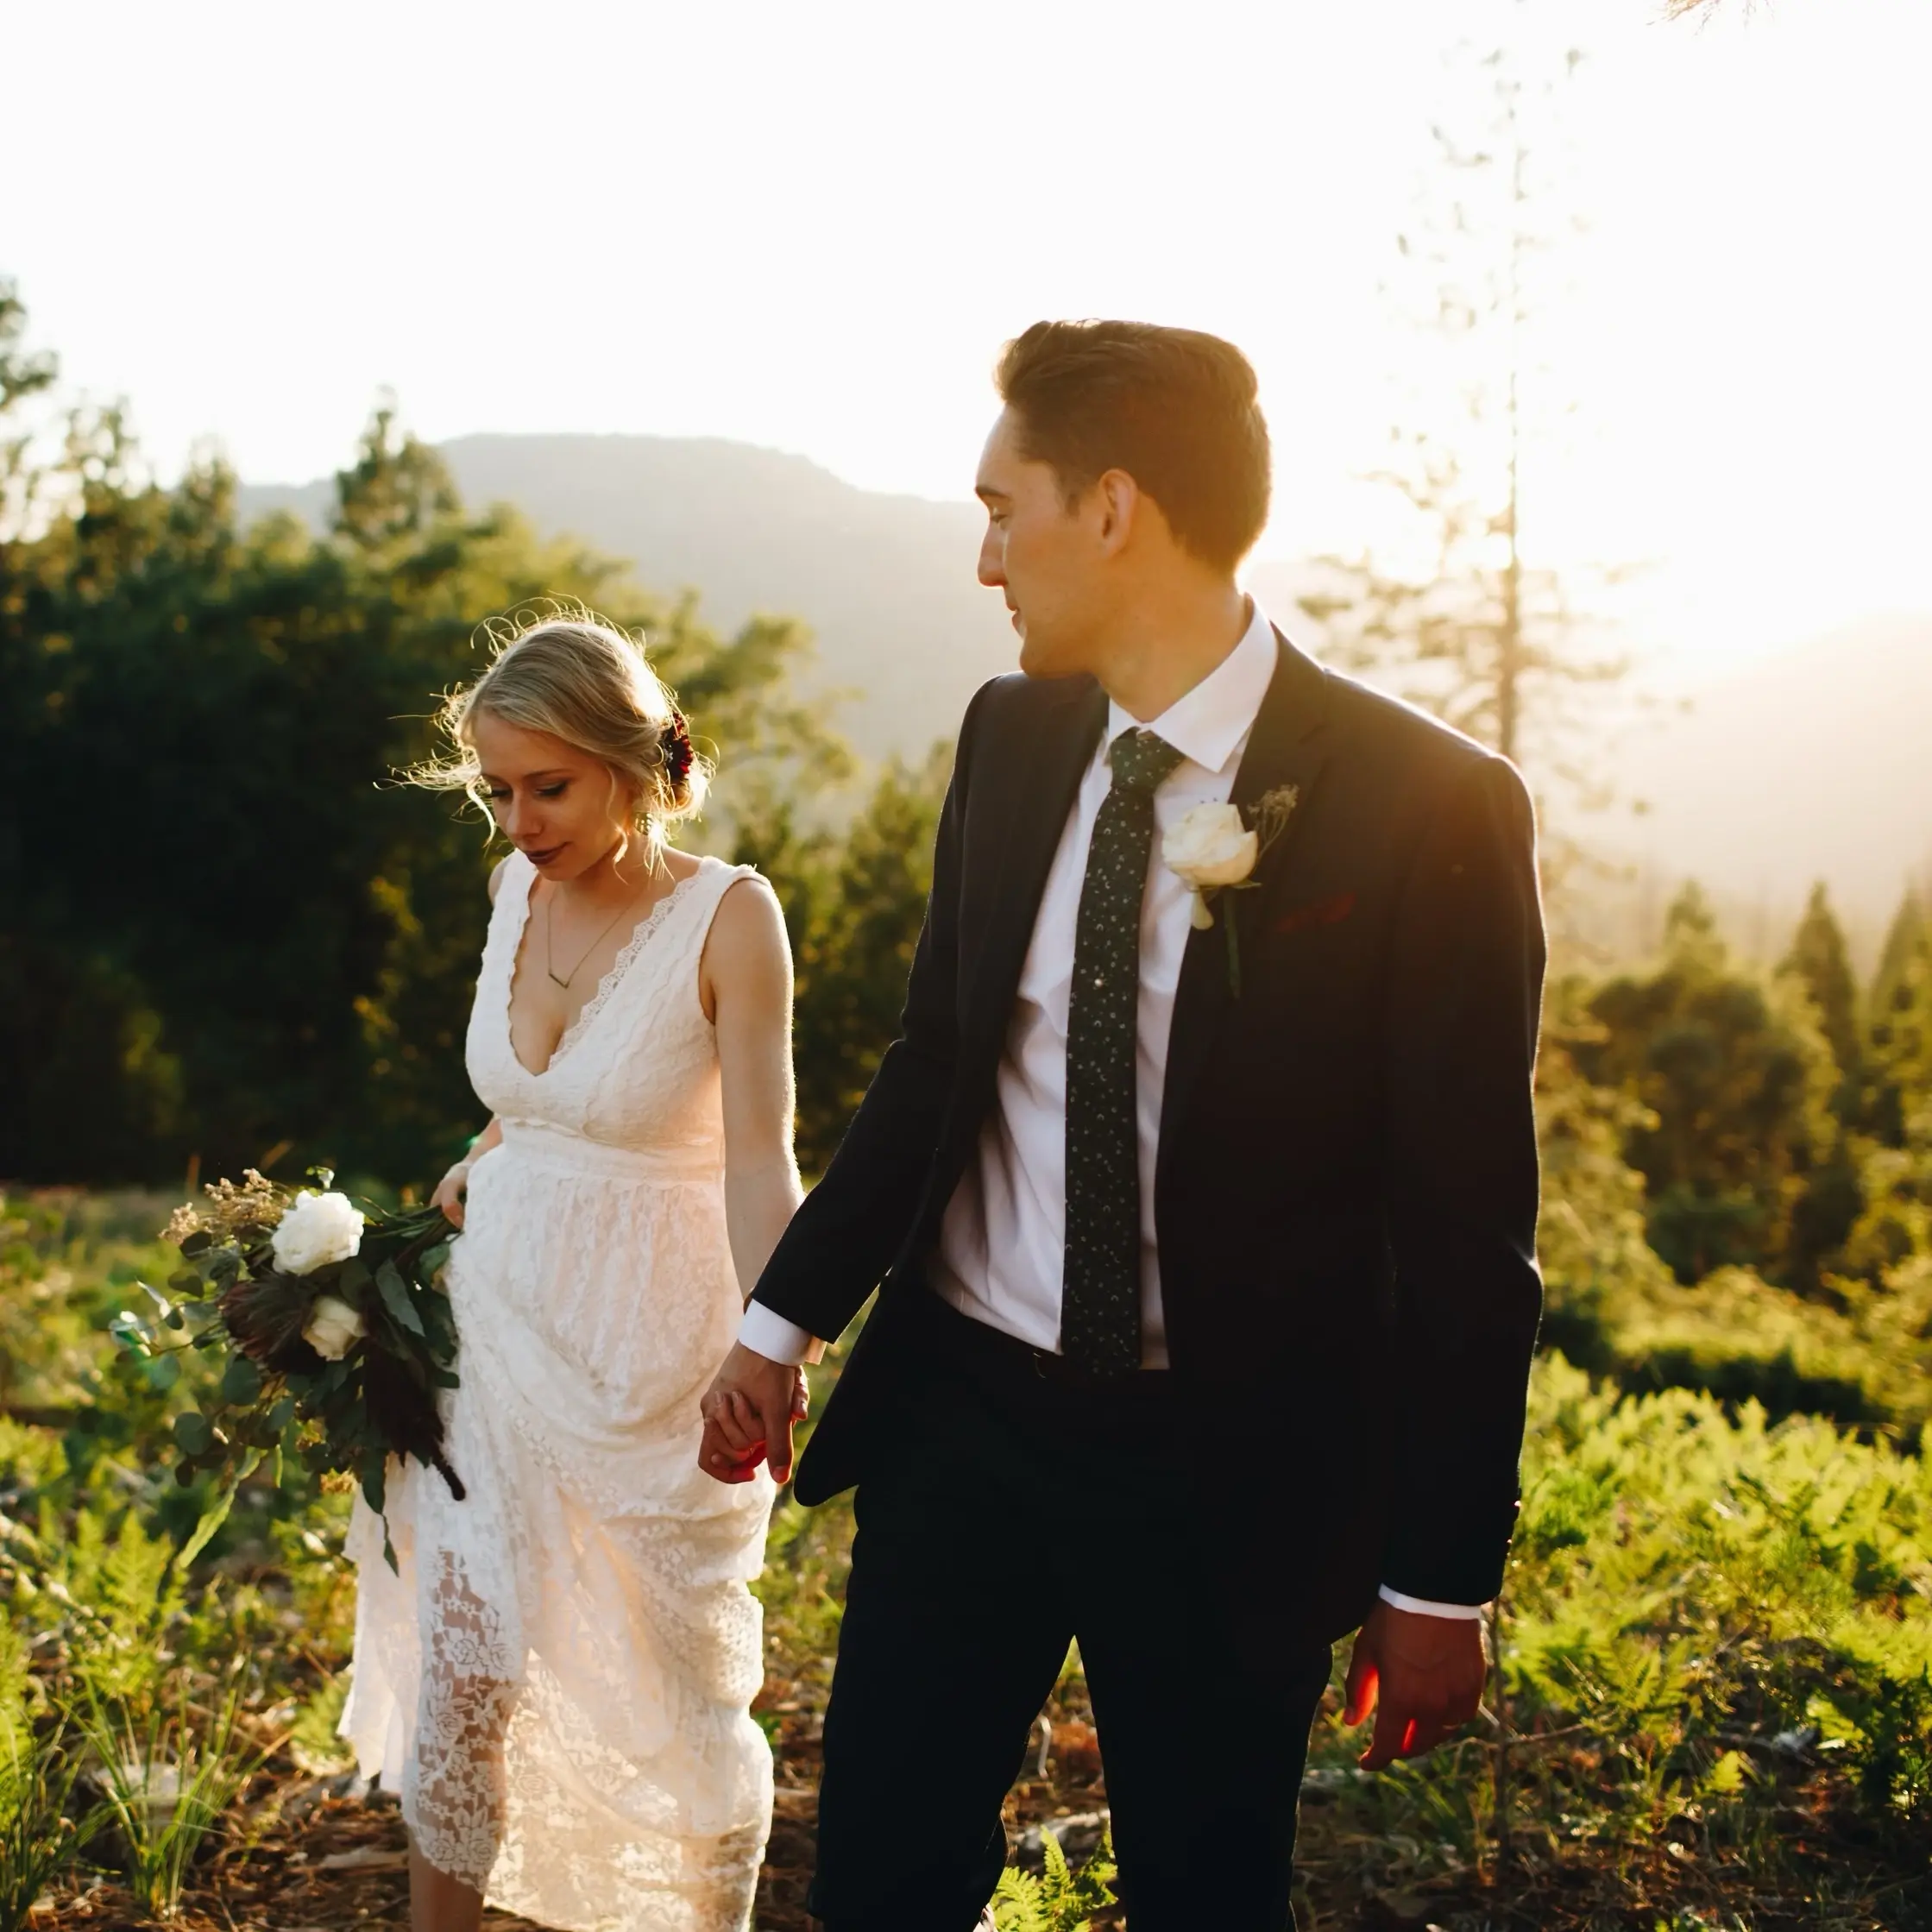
(1118, 498)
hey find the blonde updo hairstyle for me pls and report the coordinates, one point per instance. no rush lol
(579, 677)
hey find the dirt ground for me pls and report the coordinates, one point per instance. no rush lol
(318, 1855)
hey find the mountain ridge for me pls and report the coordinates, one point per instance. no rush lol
(1810, 764)
(885, 584)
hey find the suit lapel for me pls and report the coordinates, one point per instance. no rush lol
(1287, 746)
(1066, 727)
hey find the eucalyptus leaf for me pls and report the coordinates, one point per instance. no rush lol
(216, 1514)
(192, 1431)
(163, 1371)
(132, 1333)
(194, 1243)
(375, 1477)
(241, 1381)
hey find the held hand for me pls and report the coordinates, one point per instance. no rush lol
(449, 1195)
(748, 1414)
(1421, 1676)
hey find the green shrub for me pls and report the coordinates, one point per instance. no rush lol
(1706, 1613)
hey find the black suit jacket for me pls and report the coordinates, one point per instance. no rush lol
(1346, 1189)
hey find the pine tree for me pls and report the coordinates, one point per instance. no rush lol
(23, 375)
(1821, 960)
(1737, 1078)
(1906, 942)
(1484, 636)
(1824, 1214)
(1901, 1027)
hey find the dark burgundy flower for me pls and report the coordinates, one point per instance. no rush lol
(678, 755)
(265, 1320)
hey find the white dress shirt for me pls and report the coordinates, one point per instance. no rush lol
(1002, 1238)
(1002, 1241)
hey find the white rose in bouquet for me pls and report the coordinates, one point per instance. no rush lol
(333, 1326)
(1209, 846)
(314, 1230)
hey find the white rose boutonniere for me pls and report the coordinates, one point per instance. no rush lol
(333, 1327)
(1213, 848)
(316, 1230)
(1207, 848)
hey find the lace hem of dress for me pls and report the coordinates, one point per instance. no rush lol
(455, 1793)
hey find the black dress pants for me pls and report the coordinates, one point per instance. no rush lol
(1006, 1514)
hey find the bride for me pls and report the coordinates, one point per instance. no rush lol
(556, 1671)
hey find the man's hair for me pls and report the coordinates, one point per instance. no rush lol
(1174, 408)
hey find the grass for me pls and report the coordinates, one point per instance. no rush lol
(168, 1783)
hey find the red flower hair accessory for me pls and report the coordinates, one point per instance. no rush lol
(678, 755)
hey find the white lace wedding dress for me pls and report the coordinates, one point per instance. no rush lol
(587, 1605)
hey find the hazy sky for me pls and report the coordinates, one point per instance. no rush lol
(812, 225)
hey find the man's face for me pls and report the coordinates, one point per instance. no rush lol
(1045, 556)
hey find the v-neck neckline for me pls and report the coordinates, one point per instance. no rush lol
(647, 924)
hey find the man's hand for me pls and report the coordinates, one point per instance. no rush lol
(1422, 1676)
(748, 1413)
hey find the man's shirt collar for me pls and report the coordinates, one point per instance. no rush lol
(1209, 724)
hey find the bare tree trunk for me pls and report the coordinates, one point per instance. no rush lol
(1510, 664)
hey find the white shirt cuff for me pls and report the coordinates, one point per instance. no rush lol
(1464, 1612)
(766, 1332)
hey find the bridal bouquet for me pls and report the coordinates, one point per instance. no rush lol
(332, 1335)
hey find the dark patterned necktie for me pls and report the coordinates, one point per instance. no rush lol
(1100, 1300)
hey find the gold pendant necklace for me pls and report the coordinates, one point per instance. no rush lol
(550, 955)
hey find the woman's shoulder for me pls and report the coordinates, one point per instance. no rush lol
(747, 918)
(507, 867)
(742, 894)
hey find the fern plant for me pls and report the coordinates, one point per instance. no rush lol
(124, 1589)
(1059, 1900)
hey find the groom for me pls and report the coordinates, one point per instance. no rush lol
(1202, 1226)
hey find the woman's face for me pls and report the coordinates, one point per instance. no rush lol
(562, 808)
